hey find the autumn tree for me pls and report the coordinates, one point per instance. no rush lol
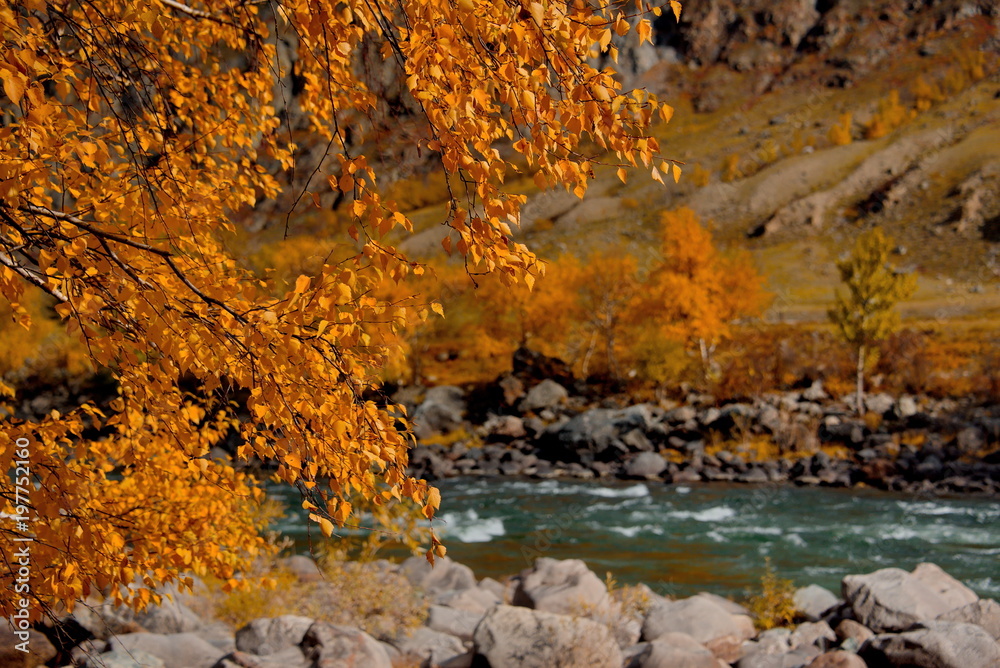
(864, 312)
(135, 134)
(695, 291)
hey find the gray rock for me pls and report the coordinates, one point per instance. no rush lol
(815, 392)
(732, 607)
(333, 646)
(177, 650)
(40, 650)
(290, 657)
(700, 618)
(879, 403)
(838, 659)
(906, 406)
(442, 410)
(645, 465)
(971, 440)
(427, 646)
(563, 587)
(850, 630)
(443, 577)
(984, 613)
(892, 600)
(304, 568)
(494, 587)
(271, 635)
(511, 637)
(934, 645)
(812, 601)
(681, 414)
(773, 641)
(459, 623)
(505, 427)
(475, 599)
(953, 592)
(797, 658)
(547, 394)
(813, 633)
(122, 659)
(673, 650)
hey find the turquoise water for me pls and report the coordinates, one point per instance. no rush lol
(680, 539)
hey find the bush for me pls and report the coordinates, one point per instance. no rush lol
(774, 605)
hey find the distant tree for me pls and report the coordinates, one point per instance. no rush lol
(864, 313)
(696, 292)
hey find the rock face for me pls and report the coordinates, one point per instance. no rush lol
(176, 650)
(893, 600)
(563, 587)
(934, 645)
(698, 617)
(511, 637)
(333, 646)
(271, 635)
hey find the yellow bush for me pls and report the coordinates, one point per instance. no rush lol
(925, 94)
(840, 133)
(774, 605)
(700, 176)
(731, 168)
(890, 115)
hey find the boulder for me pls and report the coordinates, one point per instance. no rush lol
(673, 650)
(441, 411)
(177, 650)
(952, 592)
(121, 659)
(505, 428)
(290, 657)
(474, 599)
(271, 635)
(730, 606)
(444, 576)
(850, 630)
(797, 658)
(512, 637)
(879, 403)
(645, 465)
(427, 646)
(547, 394)
(837, 659)
(812, 601)
(334, 646)
(906, 406)
(934, 645)
(459, 623)
(40, 650)
(984, 613)
(813, 633)
(304, 568)
(699, 617)
(564, 587)
(891, 599)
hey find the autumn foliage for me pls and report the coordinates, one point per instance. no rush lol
(136, 134)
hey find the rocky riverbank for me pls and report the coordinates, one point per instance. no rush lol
(523, 426)
(553, 614)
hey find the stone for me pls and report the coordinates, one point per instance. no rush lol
(697, 616)
(427, 646)
(304, 568)
(954, 593)
(459, 623)
(290, 657)
(441, 411)
(797, 658)
(493, 587)
(40, 650)
(891, 599)
(334, 646)
(563, 587)
(879, 403)
(812, 601)
(848, 629)
(906, 406)
(444, 576)
(547, 394)
(837, 659)
(732, 607)
(934, 645)
(645, 465)
(984, 613)
(513, 637)
(971, 440)
(506, 427)
(271, 635)
(814, 392)
(813, 633)
(136, 658)
(673, 650)
(177, 650)
(475, 599)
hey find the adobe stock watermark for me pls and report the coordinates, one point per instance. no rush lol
(20, 621)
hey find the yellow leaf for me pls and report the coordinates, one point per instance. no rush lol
(13, 86)
(622, 174)
(676, 170)
(437, 308)
(302, 284)
(676, 6)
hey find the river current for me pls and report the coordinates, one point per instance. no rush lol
(681, 539)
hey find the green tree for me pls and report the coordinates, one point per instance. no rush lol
(865, 312)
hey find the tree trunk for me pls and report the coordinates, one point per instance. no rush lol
(860, 394)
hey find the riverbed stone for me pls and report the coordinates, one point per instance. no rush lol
(891, 599)
(265, 635)
(645, 465)
(797, 658)
(934, 645)
(813, 601)
(135, 658)
(547, 394)
(515, 637)
(813, 633)
(459, 623)
(954, 593)
(984, 613)
(177, 650)
(563, 587)
(441, 411)
(334, 646)
(444, 576)
(304, 568)
(40, 650)
(290, 657)
(697, 616)
(426, 646)
(672, 650)
(856, 632)
(838, 659)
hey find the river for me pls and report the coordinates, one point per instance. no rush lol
(681, 539)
